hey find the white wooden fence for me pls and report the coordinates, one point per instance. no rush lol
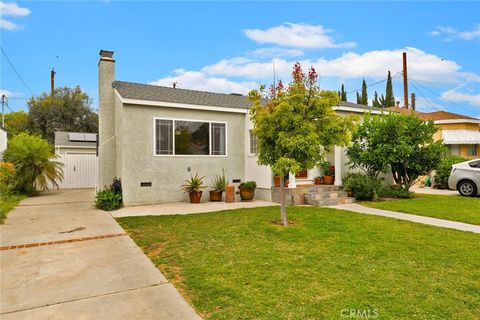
(80, 170)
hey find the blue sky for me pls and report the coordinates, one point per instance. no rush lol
(230, 46)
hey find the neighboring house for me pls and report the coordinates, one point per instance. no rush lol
(460, 133)
(3, 141)
(78, 153)
(154, 137)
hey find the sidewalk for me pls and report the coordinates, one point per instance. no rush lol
(63, 259)
(409, 217)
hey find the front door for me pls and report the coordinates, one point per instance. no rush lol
(301, 174)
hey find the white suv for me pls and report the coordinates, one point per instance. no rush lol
(465, 177)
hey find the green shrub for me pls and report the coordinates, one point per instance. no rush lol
(394, 191)
(108, 200)
(363, 186)
(7, 178)
(444, 167)
(247, 185)
(34, 162)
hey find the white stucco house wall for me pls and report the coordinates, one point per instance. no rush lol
(3, 141)
(154, 137)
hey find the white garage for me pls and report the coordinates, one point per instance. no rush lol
(78, 153)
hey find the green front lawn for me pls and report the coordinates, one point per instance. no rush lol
(238, 265)
(456, 208)
(8, 202)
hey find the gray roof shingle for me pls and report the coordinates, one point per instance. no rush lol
(130, 90)
(62, 139)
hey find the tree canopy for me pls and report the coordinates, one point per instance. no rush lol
(297, 126)
(402, 143)
(68, 110)
(16, 122)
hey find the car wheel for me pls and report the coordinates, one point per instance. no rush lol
(467, 188)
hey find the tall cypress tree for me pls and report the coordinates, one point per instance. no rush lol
(382, 101)
(343, 93)
(389, 97)
(376, 103)
(359, 100)
(364, 97)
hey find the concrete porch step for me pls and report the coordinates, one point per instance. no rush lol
(325, 195)
(331, 202)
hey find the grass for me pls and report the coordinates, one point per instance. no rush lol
(8, 203)
(456, 208)
(238, 265)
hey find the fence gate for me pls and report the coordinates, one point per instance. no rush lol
(80, 170)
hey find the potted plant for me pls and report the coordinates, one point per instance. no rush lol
(328, 172)
(276, 181)
(247, 190)
(192, 186)
(219, 183)
(318, 180)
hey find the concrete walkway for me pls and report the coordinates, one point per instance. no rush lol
(163, 209)
(409, 217)
(62, 259)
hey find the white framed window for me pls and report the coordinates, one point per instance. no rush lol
(253, 143)
(181, 137)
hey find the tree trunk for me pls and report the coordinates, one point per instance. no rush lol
(283, 209)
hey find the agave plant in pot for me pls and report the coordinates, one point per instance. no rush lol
(193, 187)
(219, 183)
(247, 190)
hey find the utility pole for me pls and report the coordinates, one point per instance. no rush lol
(413, 101)
(3, 110)
(405, 81)
(52, 81)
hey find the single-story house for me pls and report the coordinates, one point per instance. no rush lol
(154, 137)
(460, 133)
(78, 153)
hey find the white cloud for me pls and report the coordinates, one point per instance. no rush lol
(8, 25)
(452, 33)
(297, 36)
(455, 96)
(276, 52)
(12, 9)
(196, 80)
(6, 93)
(424, 67)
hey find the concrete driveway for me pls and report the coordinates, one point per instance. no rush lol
(63, 259)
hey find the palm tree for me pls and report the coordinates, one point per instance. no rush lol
(35, 163)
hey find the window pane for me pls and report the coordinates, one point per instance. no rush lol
(218, 139)
(163, 137)
(192, 137)
(253, 143)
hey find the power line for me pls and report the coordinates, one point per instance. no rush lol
(426, 99)
(19, 76)
(442, 98)
(367, 86)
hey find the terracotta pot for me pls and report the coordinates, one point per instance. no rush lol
(276, 180)
(230, 193)
(328, 179)
(350, 193)
(195, 196)
(286, 183)
(247, 194)
(216, 195)
(318, 180)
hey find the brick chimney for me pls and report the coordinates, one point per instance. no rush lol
(106, 119)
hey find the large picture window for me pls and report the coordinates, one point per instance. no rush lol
(190, 137)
